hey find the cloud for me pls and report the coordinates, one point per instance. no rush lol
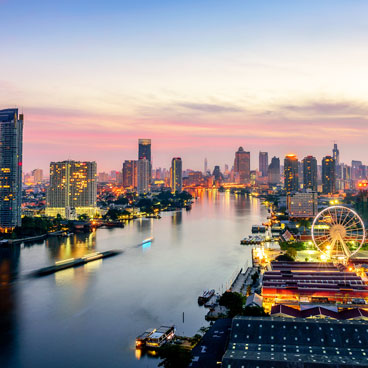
(331, 108)
(210, 108)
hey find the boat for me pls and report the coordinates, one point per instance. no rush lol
(258, 229)
(206, 296)
(160, 337)
(140, 341)
(148, 240)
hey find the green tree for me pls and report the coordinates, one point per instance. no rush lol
(233, 301)
(174, 356)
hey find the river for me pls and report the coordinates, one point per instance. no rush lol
(89, 316)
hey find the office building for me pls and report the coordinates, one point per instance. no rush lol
(73, 189)
(328, 175)
(205, 166)
(37, 176)
(274, 171)
(336, 154)
(310, 173)
(176, 174)
(291, 174)
(130, 176)
(242, 166)
(144, 149)
(302, 204)
(263, 163)
(11, 151)
(143, 175)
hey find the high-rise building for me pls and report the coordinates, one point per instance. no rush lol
(310, 173)
(205, 166)
(217, 173)
(73, 189)
(130, 174)
(176, 174)
(144, 149)
(274, 171)
(328, 175)
(11, 151)
(37, 176)
(242, 166)
(263, 163)
(336, 154)
(143, 175)
(291, 174)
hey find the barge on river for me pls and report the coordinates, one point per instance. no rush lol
(155, 338)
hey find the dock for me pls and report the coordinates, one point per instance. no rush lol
(74, 262)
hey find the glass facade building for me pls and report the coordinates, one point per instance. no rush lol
(11, 148)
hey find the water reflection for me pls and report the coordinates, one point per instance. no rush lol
(105, 304)
(9, 263)
(75, 246)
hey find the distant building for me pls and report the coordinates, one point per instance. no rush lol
(37, 176)
(11, 151)
(274, 171)
(217, 173)
(130, 174)
(310, 173)
(144, 176)
(291, 174)
(176, 174)
(103, 177)
(263, 163)
(73, 189)
(328, 175)
(303, 204)
(242, 166)
(205, 166)
(144, 151)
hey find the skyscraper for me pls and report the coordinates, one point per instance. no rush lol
(274, 171)
(328, 175)
(130, 174)
(176, 174)
(242, 166)
(144, 149)
(73, 189)
(143, 175)
(310, 173)
(205, 166)
(37, 176)
(11, 151)
(291, 174)
(263, 163)
(336, 154)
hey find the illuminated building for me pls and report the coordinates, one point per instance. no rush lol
(291, 174)
(11, 148)
(144, 149)
(143, 175)
(310, 173)
(195, 178)
(73, 189)
(356, 170)
(274, 171)
(328, 175)
(263, 163)
(242, 166)
(130, 174)
(303, 204)
(176, 174)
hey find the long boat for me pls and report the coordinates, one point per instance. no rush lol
(154, 338)
(206, 296)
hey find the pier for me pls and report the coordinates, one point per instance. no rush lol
(74, 262)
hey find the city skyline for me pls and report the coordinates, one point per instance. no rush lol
(199, 79)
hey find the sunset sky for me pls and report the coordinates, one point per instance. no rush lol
(200, 78)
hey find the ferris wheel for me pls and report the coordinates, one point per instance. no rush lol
(338, 232)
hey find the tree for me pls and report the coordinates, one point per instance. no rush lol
(174, 356)
(254, 311)
(284, 258)
(233, 301)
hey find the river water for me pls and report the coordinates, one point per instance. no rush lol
(89, 316)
